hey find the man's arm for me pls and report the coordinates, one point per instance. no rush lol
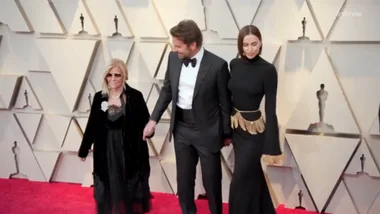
(165, 96)
(224, 99)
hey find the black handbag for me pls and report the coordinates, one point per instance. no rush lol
(99, 189)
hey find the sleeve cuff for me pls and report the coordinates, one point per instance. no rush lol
(83, 153)
(272, 150)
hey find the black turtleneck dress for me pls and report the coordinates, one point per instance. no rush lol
(250, 81)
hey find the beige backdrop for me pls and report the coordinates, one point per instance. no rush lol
(42, 54)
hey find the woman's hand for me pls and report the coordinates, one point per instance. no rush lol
(273, 160)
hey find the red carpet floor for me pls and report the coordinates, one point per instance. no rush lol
(24, 197)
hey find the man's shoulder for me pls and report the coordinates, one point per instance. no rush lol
(173, 55)
(214, 58)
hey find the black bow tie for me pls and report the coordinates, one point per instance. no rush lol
(192, 61)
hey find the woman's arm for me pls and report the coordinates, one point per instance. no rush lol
(89, 133)
(272, 141)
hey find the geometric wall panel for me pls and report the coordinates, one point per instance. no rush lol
(375, 128)
(226, 152)
(104, 13)
(170, 14)
(5, 118)
(363, 162)
(360, 14)
(375, 206)
(69, 65)
(16, 152)
(361, 88)
(29, 124)
(164, 65)
(160, 136)
(51, 133)
(307, 150)
(341, 202)
(270, 52)
(11, 15)
(154, 94)
(279, 21)
(288, 159)
(302, 56)
(300, 61)
(321, 110)
(144, 87)
(41, 16)
(244, 11)
(86, 99)
(225, 25)
(47, 162)
(26, 97)
(99, 66)
(47, 91)
(363, 190)
(141, 17)
(73, 137)
(226, 52)
(167, 151)
(230, 160)
(71, 169)
(160, 183)
(70, 12)
(326, 13)
(119, 49)
(169, 167)
(151, 54)
(7, 89)
(28, 56)
(82, 122)
(287, 184)
(373, 143)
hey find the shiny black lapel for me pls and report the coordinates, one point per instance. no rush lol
(202, 73)
(177, 67)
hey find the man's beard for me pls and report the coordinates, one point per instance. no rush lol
(184, 56)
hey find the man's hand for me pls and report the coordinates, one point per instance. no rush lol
(227, 142)
(149, 129)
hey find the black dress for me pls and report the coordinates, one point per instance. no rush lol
(123, 194)
(252, 136)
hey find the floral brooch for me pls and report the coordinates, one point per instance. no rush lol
(104, 106)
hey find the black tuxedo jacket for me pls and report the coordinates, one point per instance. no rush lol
(211, 101)
(135, 148)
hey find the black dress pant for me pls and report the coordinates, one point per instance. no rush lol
(189, 147)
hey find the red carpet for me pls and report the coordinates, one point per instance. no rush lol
(24, 197)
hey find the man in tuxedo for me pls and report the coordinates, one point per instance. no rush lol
(196, 83)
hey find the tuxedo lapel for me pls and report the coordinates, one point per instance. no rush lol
(204, 67)
(176, 67)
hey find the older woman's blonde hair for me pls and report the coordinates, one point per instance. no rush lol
(112, 64)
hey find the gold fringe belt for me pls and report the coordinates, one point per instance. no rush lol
(252, 127)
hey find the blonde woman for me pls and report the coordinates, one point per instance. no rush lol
(121, 159)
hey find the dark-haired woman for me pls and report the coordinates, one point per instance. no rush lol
(252, 78)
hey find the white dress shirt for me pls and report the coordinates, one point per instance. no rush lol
(187, 81)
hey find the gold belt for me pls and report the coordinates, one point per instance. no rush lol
(252, 127)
